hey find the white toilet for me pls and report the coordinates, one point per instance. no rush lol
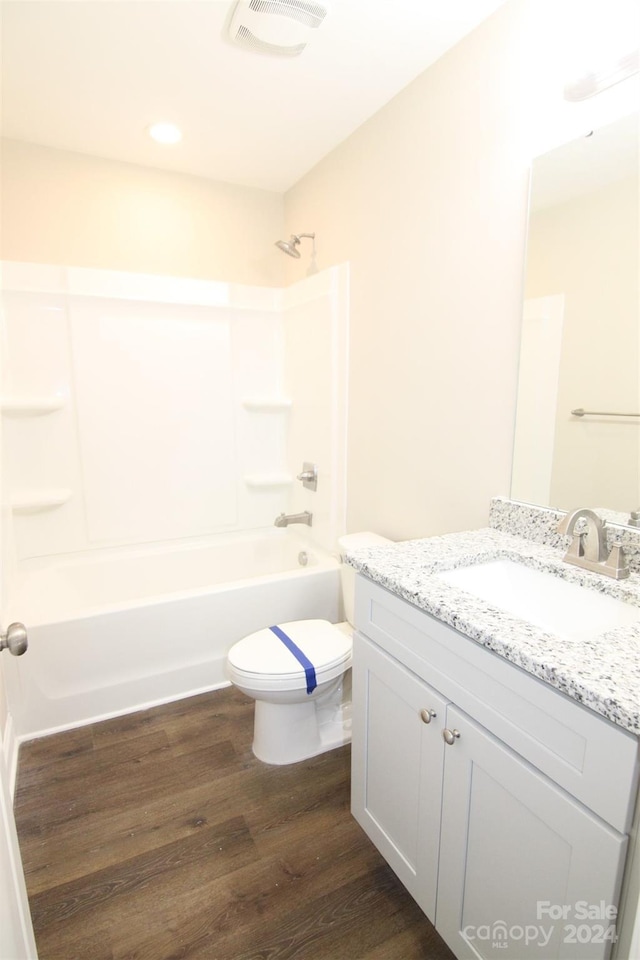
(296, 673)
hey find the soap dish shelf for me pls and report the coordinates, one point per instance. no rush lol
(37, 501)
(267, 404)
(34, 406)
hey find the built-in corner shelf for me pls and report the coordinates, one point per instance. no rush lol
(34, 406)
(36, 501)
(266, 480)
(267, 404)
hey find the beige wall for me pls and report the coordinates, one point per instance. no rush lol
(587, 250)
(428, 206)
(428, 202)
(66, 208)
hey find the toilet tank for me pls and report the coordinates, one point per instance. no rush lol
(353, 541)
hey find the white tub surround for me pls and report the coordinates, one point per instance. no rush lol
(153, 429)
(155, 409)
(129, 629)
(603, 674)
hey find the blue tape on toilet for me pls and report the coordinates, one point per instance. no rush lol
(304, 662)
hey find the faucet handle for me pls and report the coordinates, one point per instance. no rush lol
(616, 563)
(309, 475)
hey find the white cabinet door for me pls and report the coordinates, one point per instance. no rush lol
(515, 850)
(397, 767)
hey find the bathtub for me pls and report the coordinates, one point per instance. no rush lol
(133, 628)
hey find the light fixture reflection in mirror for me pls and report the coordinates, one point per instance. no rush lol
(580, 343)
(601, 44)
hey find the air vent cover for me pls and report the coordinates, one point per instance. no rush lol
(281, 28)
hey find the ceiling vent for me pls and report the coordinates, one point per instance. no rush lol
(281, 28)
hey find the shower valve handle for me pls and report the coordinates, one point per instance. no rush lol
(309, 475)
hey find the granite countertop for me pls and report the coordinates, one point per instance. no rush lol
(601, 673)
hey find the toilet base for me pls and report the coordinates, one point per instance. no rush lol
(289, 732)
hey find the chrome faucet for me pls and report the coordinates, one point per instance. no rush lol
(284, 519)
(588, 547)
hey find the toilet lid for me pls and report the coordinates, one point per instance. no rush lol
(263, 653)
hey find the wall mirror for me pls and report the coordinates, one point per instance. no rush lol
(580, 347)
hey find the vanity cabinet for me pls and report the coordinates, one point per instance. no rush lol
(488, 792)
(397, 767)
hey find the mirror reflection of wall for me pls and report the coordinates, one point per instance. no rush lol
(581, 330)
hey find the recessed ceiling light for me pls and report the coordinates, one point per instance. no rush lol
(165, 133)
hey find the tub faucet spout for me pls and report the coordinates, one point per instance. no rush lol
(284, 519)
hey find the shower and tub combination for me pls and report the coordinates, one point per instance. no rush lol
(150, 440)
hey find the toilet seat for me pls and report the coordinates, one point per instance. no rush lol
(262, 661)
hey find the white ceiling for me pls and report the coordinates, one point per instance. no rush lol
(91, 75)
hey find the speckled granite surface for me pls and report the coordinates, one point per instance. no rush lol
(540, 525)
(601, 673)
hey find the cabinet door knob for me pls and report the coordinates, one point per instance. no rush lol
(427, 715)
(450, 736)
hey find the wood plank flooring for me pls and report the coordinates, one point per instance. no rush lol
(159, 836)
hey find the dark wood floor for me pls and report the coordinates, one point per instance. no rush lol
(159, 835)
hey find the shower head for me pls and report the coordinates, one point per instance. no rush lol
(291, 246)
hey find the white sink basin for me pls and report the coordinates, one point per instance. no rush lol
(543, 599)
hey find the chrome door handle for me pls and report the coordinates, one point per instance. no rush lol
(427, 715)
(450, 736)
(15, 640)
